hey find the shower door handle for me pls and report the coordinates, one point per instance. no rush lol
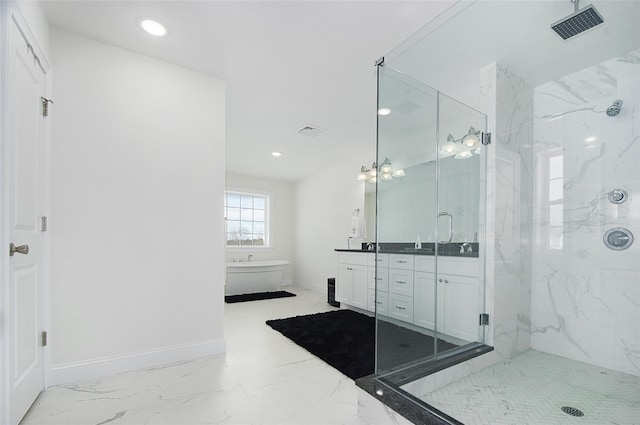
(446, 214)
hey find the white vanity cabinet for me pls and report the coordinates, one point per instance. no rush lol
(406, 289)
(352, 279)
(458, 296)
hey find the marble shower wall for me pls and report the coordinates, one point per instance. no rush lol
(585, 297)
(508, 101)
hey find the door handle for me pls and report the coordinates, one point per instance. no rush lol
(22, 249)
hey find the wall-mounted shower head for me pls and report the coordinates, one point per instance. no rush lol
(578, 22)
(615, 108)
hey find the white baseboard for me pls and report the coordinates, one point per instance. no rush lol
(76, 371)
(314, 288)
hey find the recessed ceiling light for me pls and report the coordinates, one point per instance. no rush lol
(153, 27)
(276, 154)
(384, 111)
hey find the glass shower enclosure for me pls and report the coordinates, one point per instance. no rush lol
(537, 231)
(430, 286)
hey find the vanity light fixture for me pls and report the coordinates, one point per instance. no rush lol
(384, 171)
(464, 147)
(153, 27)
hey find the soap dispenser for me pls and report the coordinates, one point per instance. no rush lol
(418, 244)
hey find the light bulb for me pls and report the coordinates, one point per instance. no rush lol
(276, 154)
(384, 111)
(398, 173)
(471, 140)
(385, 176)
(386, 166)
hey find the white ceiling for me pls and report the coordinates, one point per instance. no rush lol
(286, 63)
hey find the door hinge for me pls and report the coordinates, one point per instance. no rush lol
(45, 338)
(43, 224)
(486, 138)
(484, 319)
(45, 106)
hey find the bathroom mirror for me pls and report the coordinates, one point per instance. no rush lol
(409, 209)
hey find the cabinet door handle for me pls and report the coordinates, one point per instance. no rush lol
(401, 262)
(400, 308)
(349, 268)
(439, 280)
(446, 281)
(401, 282)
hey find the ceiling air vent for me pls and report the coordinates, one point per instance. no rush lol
(310, 131)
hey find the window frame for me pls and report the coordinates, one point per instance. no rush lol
(268, 244)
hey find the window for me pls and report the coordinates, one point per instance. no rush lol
(246, 217)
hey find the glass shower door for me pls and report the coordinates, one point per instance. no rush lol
(406, 208)
(429, 262)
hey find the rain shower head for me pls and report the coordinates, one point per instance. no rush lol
(578, 22)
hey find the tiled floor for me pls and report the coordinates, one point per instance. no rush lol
(531, 388)
(263, 379)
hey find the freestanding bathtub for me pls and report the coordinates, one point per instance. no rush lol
(254, 276)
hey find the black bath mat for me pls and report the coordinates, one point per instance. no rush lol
(346, 340)
(257, 296)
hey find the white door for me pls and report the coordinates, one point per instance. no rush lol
(26, 182)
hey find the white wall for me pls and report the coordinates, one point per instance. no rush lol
(137, 210)
(324, 204)
(281, 196)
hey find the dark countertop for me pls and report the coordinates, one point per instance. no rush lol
(428, 248)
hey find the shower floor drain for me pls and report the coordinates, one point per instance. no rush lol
(572, 411)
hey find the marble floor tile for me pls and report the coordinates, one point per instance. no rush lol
(532, 387)
(279, 383)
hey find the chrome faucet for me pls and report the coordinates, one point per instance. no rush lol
(249, 257)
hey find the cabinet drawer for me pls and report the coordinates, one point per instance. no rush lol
(425, 263)
(401, 282)
(401, 307)
(382, 260)
(459, 266)
(399, 261)
(382, 303)
(359, 258)
(379, 279)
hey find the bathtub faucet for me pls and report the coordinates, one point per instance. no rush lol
(249, 257)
